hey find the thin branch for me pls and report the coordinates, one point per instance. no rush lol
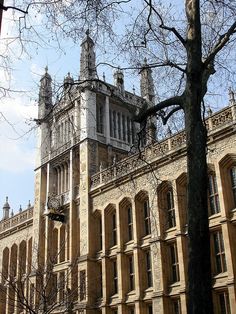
(223, 40)
(165, 118)
(147, 112)
(163, 26)
(3, 7)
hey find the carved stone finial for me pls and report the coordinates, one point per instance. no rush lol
(133, 90)
(46, 69)
(209, 112)
(6, 209)
(87, 32)
(20, 209)
(231, 96)
(104, 77)
(29, 204)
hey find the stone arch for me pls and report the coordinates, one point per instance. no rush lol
(142, 214)
(166, 206)
(22, 258)
(5, 264)
(110, 229)
(126, 217)
(181, 186)
(97, 240)
(13, 260)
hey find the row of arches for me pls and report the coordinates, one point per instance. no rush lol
(17, 260)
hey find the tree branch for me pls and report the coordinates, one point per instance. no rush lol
(165, 118)
(223, 40)
(3, 7)
(146, 112)
(163, 26)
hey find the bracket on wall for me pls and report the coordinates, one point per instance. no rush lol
(54, 212)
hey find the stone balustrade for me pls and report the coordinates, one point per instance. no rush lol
(16, 220)
(153, 152)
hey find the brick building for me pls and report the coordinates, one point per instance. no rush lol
(107, 232)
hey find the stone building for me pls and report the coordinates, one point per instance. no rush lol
(107, 232)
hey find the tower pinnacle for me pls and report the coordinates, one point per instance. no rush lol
(87, 59)
(45, 94)
(146, 83)
(6, 209)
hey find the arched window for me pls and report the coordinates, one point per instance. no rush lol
(146, 211)
(22, 258)
(130, 223)
(170, 209)
(5, 264)
(114, 230)
(110, 228)
(214, 205)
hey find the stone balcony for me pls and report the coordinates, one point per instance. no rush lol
(214, 123)
(24, 217)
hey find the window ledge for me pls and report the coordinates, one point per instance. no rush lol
(131, 293)
(146, 238)
(217, 215)
(171, 229)
(174, 284)
(149, 289)
(114, 298)
(221, 275)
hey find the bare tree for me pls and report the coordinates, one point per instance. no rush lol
(190, 47)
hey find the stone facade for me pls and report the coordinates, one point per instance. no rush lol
(107, 232)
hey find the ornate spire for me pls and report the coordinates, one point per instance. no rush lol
(6, 209)
(231, 97)
(87, 59)
(29, 204)
(45, 94)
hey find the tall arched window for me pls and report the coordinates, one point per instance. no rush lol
(170, 209)
(146, 211)
(214, 205)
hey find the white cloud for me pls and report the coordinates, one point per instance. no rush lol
(16, 134)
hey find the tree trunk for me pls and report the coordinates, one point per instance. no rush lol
(199, 263)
